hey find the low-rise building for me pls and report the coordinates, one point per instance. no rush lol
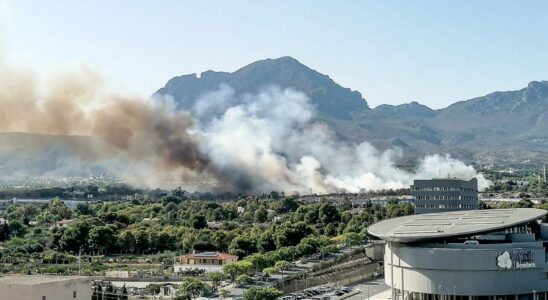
(44, 288)
(463, 255)
(207, 261)
(445, 194)
(64, 223)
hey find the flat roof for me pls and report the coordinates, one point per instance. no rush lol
(37, 279)
(455, 223)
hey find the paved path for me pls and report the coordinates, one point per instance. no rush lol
(378, 290)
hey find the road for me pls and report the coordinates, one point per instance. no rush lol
(375, 287)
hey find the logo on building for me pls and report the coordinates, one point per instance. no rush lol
(518, 259)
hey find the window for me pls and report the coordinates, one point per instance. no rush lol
(74, 294)
(43, 297)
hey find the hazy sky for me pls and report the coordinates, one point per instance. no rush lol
(434, 52)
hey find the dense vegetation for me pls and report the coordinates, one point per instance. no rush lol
(265, 231)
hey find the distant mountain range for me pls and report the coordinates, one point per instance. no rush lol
(502, 126)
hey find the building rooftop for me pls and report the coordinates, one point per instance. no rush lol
(416, 228)
(36, 279)
(217, 255)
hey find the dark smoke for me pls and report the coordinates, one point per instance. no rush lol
(78, 104)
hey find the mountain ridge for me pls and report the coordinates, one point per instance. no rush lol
(504, 120)
(501, 127)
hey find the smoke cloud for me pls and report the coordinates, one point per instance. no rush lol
(227, 142)
(77, 103)
(271, 141)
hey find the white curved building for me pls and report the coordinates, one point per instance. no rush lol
(476, 254)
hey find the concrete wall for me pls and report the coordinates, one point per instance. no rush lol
(58, 290)
(375, 251)
(464, 269)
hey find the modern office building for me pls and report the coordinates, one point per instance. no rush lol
(448, 194)
(44, 288)
(476, 254)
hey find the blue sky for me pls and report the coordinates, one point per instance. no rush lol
(434, 52)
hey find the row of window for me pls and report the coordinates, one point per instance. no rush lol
(442, 189)
(438, 197)
(446, 206)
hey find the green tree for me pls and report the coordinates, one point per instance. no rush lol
(58, 210)
(311, 217)
(287, 205)
(5, 232)
(153, 289)
(102, 238)
(282, 265)
(216, 278)
(329, 214)
(244, 279)
(237, 268)
(243, 245)
(270, 270)
(199, 221)
(17, 229)
(224, 293)
(261, 215)
(256, 293)
(191, 287)
(171, 199)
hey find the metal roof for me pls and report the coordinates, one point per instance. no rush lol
(455, 223)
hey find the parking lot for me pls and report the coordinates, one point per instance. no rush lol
(320, 293)
(366, 290)
(372, 288)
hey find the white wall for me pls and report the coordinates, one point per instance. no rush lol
(59, 290)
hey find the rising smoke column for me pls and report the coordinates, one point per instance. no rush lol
(240, 143)
(271, 141)
(76, 103)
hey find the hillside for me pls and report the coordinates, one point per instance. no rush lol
(331, 99)
(503, 122)
(501, 127)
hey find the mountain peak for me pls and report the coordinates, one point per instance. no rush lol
(411, 109)
(330, 98)
(536, 84)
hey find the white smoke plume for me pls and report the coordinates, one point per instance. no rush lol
(270, 141)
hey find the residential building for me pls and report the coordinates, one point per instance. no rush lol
(64, 223)
(208, 261)
(448, 194)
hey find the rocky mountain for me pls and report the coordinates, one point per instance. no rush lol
(331, 99)
(502, 127)
(412, 110)
(504, 123)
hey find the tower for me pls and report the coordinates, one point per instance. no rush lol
(545, 170)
